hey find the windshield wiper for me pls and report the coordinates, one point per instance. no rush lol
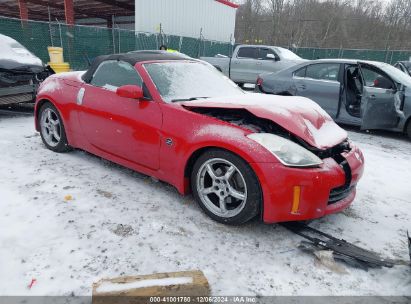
(188, 99)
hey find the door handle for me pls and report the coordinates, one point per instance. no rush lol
(373, 97)
(259, 63)
(302, 86)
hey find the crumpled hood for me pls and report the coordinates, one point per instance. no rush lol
(299, 115)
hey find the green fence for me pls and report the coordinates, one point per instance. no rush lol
(83, 43)
(389, 56)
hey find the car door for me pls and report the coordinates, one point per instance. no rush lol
(378, 102)
(268, 61)
(320, 82)
(123, 127)
(243, 65)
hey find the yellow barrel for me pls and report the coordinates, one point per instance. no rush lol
(60, 67)
(56, 54)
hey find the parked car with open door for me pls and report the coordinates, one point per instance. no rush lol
(372, 95)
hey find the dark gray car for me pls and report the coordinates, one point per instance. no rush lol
(373, 95)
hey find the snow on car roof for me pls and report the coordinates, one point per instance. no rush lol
(13, 55)
(133, 58)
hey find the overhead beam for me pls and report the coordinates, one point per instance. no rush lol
(118, 4)
(81, 12)
(47, 3)
(15, 12)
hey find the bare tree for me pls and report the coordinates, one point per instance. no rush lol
(328, 24)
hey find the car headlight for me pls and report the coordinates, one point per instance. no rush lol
(289, 153)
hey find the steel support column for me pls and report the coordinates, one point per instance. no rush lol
(24, 12)
(69, 11)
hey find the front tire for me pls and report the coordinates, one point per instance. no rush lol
(226, 187)
(52, 129)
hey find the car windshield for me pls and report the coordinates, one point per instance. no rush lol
(287, 54)
(189, 80)
(395, 74)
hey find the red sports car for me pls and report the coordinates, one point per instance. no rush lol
(181, 121)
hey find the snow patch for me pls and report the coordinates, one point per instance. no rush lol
(50, 85)
(106, 287)
(66, 246)
(324, 132)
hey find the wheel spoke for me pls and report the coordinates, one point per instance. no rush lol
(211, 172)
(229, 172)
(49, 115)
(54, 122)
(56, 135)
(207, 190)
(223, 206)
(236, 194)
(50, 136)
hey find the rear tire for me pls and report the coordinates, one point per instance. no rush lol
(226, 187)
(409, 130)
(52, 129)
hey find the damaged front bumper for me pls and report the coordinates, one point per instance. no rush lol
(295, 194)
(20, 85)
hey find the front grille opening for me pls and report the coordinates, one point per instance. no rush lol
(339, 193)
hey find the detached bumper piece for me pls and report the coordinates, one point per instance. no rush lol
(342, 250)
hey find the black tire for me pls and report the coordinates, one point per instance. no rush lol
(62, 144)
(409, 130)
(253, 201)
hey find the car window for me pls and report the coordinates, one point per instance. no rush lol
(263, 52)
(248, 52)
(300, 72)
(114, 74)
(323, 71)
(183, 80)
(373, 78)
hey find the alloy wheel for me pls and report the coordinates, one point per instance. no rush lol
(50, 127)
(221, 187)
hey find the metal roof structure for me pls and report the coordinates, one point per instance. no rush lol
(70, 10)
(66, 10)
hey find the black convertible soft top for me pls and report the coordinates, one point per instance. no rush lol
(132, 58)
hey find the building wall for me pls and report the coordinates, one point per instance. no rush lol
(187, 18)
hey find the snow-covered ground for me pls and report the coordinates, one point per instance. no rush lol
(123, 223)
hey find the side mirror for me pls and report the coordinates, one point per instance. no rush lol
(271, 56)
(130, 91)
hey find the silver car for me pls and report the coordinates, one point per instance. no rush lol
(372, 95)
(404, 66)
